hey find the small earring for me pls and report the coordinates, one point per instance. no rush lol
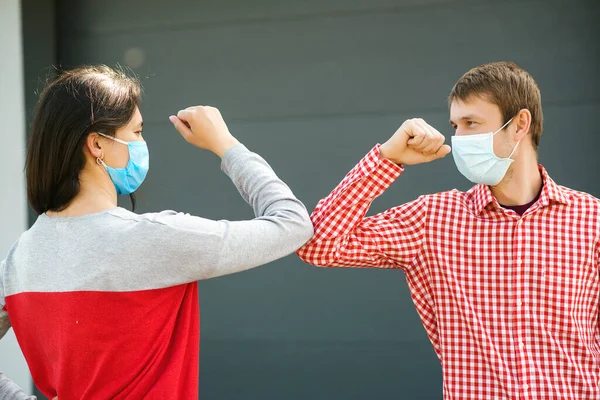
(99, 161)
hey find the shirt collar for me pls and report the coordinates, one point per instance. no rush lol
(482, 197)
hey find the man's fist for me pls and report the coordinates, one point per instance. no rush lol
(415, 142)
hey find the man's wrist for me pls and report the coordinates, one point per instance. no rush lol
(385, 153)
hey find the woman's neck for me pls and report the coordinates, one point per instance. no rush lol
(96, 194)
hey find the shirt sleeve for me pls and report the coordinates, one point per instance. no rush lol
(344, 237)
(4, 321)
(185, 248)
(2, 294)
(8, 389)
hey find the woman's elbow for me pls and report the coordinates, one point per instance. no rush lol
(305, 233)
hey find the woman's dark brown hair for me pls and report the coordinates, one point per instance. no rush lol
(77, 102)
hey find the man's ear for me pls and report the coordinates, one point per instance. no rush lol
(522, 123)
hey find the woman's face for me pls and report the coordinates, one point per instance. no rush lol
(116, 155)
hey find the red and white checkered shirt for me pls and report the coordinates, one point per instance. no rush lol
(509, 303)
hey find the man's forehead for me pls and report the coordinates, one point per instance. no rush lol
(473, 107)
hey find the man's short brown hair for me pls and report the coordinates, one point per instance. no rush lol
(509, 87)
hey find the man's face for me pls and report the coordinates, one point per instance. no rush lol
(477, 115)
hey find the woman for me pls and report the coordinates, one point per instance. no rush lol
(103, 301)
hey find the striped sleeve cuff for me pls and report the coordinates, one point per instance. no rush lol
(382, 170)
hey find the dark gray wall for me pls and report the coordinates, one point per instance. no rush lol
(39, 54)
(312, 86)
(39, 58)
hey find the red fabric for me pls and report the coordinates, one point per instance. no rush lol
(510, 303)
(111, 345)
(522, 208)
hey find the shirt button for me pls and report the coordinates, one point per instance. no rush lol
(519, 262)
(370, 164)
(519, 304)
(525, 386)
(521, 345)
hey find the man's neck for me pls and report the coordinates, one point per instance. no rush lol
(523, 182)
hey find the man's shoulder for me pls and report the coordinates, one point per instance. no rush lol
(577, 197)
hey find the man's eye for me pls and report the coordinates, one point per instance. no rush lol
(471, 123)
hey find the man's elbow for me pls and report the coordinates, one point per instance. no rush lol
(309, 253)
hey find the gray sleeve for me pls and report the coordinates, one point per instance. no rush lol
(4, 321)
(10, 391)
(282, 224)
(192, 248)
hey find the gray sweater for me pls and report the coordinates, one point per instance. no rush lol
(142, 248)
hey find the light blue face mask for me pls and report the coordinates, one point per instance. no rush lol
(475, 159)
(127, 180)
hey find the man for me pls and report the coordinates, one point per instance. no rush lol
(504, 276)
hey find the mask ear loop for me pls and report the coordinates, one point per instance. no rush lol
(113, 138)
(100, 161)
(515, 149)
(504, 126)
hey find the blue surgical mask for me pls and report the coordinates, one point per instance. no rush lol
(127, 180)
(475, 159)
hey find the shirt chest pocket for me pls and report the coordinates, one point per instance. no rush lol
(563, 293)
(567, 273)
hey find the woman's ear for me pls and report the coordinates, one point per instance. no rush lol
(93, 146)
